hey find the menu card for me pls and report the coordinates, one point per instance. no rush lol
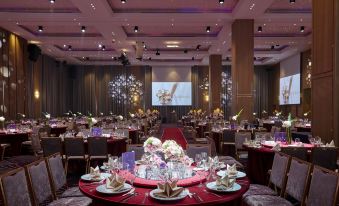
(128, 161)
(96, 132)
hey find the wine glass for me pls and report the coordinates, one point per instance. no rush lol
(198, 159)
(297, 141)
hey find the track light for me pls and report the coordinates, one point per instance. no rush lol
(52, 1)
(69, 47)
(157, 53)
(123, 1)
(198, 47)
(136, 29)
(83, 29)
(221, 1)
(259, 29)
(103, 47)
(292, 1)
(302, 29)
(185, 51)
(192, 58)
(272, 47)
(208, 29)
(40, 28)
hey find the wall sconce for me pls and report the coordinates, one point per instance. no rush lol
(135, 98)
(207, 98)
(36, 94)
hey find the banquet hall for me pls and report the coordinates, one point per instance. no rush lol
(171, 102)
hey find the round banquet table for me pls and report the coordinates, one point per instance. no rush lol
(232, 198)
(14, 139)
(56, 131)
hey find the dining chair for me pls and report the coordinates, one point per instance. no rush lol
(228, 142)
(74, 150)
(323, 188)
(97, 149)
(298, 152)
(51, 145)
(325, 157)
(14, 188)
(3, 148)
(296, 188)
(277, 178)
(41, 190)
(137, 148)
(58, 178)
(240, 138)
(193, 149)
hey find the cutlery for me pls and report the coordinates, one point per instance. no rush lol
(197, 198)
(211, 193)
(130, 192)
(125, 199)
(146, 196)
(189, 193)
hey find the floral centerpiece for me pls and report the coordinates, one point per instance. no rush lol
(277, 113)
(152, 145)
(236, 117)
(217, 113)
(172, 151)
(287, 125)
(91, 121)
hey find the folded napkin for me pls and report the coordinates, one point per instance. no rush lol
(276, 148)
(225, 181)
(169, 189)
(232, 170)
(115, 182)
(331, 144)
(95, 173)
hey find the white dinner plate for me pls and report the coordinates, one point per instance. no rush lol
(88, 177)
(222, 173)
(212, 186)
(102, 189)
(182, 195)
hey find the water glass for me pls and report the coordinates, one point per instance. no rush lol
(198, 159)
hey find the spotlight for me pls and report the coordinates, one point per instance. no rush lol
(292, 1)
(136, 29)
(259, 29)
(52, 1)
(103, 48)
(40, 28)
(69, 47)
(83, 29)
(272, 47)
(221, 1)
(192, 58)
(208, 29)
(198, 47)
(100, 45)
(123, 1)
(302, 29)
(157, 53)
(185, 51)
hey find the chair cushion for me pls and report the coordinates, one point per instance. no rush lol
(72, 192)
(266, 200)
(256, 189)
(72, 201)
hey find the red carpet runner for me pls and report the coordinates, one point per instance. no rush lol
(176, 135)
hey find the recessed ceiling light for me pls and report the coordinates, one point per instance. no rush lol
(123, 1)
(302, 29)
(292, 1)
(40, 28)
(259, 29)
(172, 46)
(157, 53)
(221, 1)
(83, 29)
(208, 29)
(65, 45)
(136, 29)
(100, 45)
(52, 1)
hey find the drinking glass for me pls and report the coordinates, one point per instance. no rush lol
(198, 159)
(297, 141)
(312, 140)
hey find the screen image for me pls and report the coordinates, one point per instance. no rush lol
(171, 93)
(289, 90)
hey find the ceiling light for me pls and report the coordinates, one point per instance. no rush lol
(185, 51)
(100, 45)
(40, 28)
(198, 47)
(302, 29)
(69, 47)
(292, 1)
(52, 1)
(259, 29)
(172, 46)
(221, 1)
(136, 29)
(83, 29)
(103, 48)
(157, 53)
(272, 47)
(193, 58)
(65, 45)
(123, 1)
(208, 29)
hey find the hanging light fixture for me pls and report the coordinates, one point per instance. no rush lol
(125, 89)
(40, 28)
(221, 1)
(83, 29)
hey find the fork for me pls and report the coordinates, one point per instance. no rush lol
(211, 193)
(125, 199)
(146, 196)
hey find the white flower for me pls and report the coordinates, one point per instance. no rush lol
(48, 116)
(94, 121)
(287, 124)
(235, 117)
(152, 144)
(23, 116)
(120, 117)
(132, 115)
(305, 114)
(101, 114)
(2, 119)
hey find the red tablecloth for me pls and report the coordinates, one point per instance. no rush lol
(208, 198)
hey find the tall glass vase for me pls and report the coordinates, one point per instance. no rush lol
(289, 135)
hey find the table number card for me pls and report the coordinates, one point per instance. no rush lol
(128, 161)
(96, 132)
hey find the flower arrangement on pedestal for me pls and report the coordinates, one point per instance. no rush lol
(218, 113)
(236, 117)
(287, 125)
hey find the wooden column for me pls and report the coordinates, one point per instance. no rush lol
(325, 71)
(242, 67)
(214, 81)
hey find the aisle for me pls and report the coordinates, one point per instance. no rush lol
(174, 133)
